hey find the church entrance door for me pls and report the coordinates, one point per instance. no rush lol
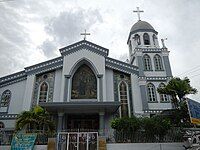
(83, 122)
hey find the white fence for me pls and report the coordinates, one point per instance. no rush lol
(77, 141)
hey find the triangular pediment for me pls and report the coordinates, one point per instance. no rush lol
(84, 45)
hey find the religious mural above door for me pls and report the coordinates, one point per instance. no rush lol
(84, 84)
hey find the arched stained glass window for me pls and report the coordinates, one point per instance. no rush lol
(146, 39)
(158, 62)
(147, 62)
(84, 83)
(5, 98)
(163, 97)
(151, 92)
(43, 92)
(137, 39)
(124, 99)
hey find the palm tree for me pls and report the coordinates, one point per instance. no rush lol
(35, 119)
(178, 89)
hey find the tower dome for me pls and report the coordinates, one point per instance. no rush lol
(142, 26)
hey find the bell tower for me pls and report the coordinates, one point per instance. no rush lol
(153, 63)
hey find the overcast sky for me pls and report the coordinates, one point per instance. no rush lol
(32, 31)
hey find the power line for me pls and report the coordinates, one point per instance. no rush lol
(194, 69)
(5, 0)
(195, 75)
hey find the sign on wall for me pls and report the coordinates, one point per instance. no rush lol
(24, 141)
(194, 111)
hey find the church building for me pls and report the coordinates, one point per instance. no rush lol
(84, 88)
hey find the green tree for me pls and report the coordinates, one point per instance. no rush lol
(140, 129)
(156, 126)
(125, 124)
(35, 119)
(178, 89)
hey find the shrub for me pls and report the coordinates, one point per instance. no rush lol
(125, 124)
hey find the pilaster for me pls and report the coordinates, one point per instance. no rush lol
(66, 88)
(101, 123)
(30, 82)
(100, 78)
(60, 121)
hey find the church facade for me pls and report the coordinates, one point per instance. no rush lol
(84, 88)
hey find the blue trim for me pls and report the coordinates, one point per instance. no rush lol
(167, 66)
(144, 97)
(149, 50)
(84, 45)
(157, 78)
(35, 69)
(12, 82)
(154, 110)
(45, 66)
(6, 116)
(153, 101)
(121, 66)
(165, 101)
(12, 77)
(140, 65)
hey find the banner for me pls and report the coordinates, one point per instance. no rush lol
(194, 111)
(23, 141)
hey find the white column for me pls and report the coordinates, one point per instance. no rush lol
(101, 123)
(29, 89)
(60, 121)
(136, 95)
(100, 87)
(66, 88)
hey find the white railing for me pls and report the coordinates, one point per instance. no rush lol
(77, 141)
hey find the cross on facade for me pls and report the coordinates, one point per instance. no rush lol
(138, 11)
(85, 34)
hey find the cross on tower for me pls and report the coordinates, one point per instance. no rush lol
(138, 11)
(85, 34)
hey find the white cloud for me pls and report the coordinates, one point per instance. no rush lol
(32, 31)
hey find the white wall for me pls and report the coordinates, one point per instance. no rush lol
(145, 146)
(9, 124)
(71, 59)
(109, 85)
(28, 95)
(136, 96)
(57, 85)
(17, 96)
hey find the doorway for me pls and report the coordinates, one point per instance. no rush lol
(83, 122)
